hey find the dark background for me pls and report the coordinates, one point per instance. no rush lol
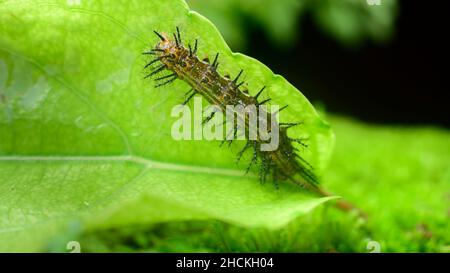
(401, 82)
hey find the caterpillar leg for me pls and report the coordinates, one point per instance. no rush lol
(207, 119)
(254, 157)
(156, 71)
(215, 63)
(169, 78)
(301, 141)
(241, 153)
(288, 125)
(177, 38)
(192, 93)
(237, 78)
(235, 130)
(264, 168)
(156, 60)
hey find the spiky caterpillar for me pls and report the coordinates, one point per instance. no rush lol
(282, 163)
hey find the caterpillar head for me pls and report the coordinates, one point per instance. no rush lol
(170, 51)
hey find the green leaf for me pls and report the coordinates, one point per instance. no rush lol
(84, 139)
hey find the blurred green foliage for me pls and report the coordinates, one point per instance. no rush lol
(351, 22)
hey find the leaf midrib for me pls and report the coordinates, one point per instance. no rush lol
(152, 164)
